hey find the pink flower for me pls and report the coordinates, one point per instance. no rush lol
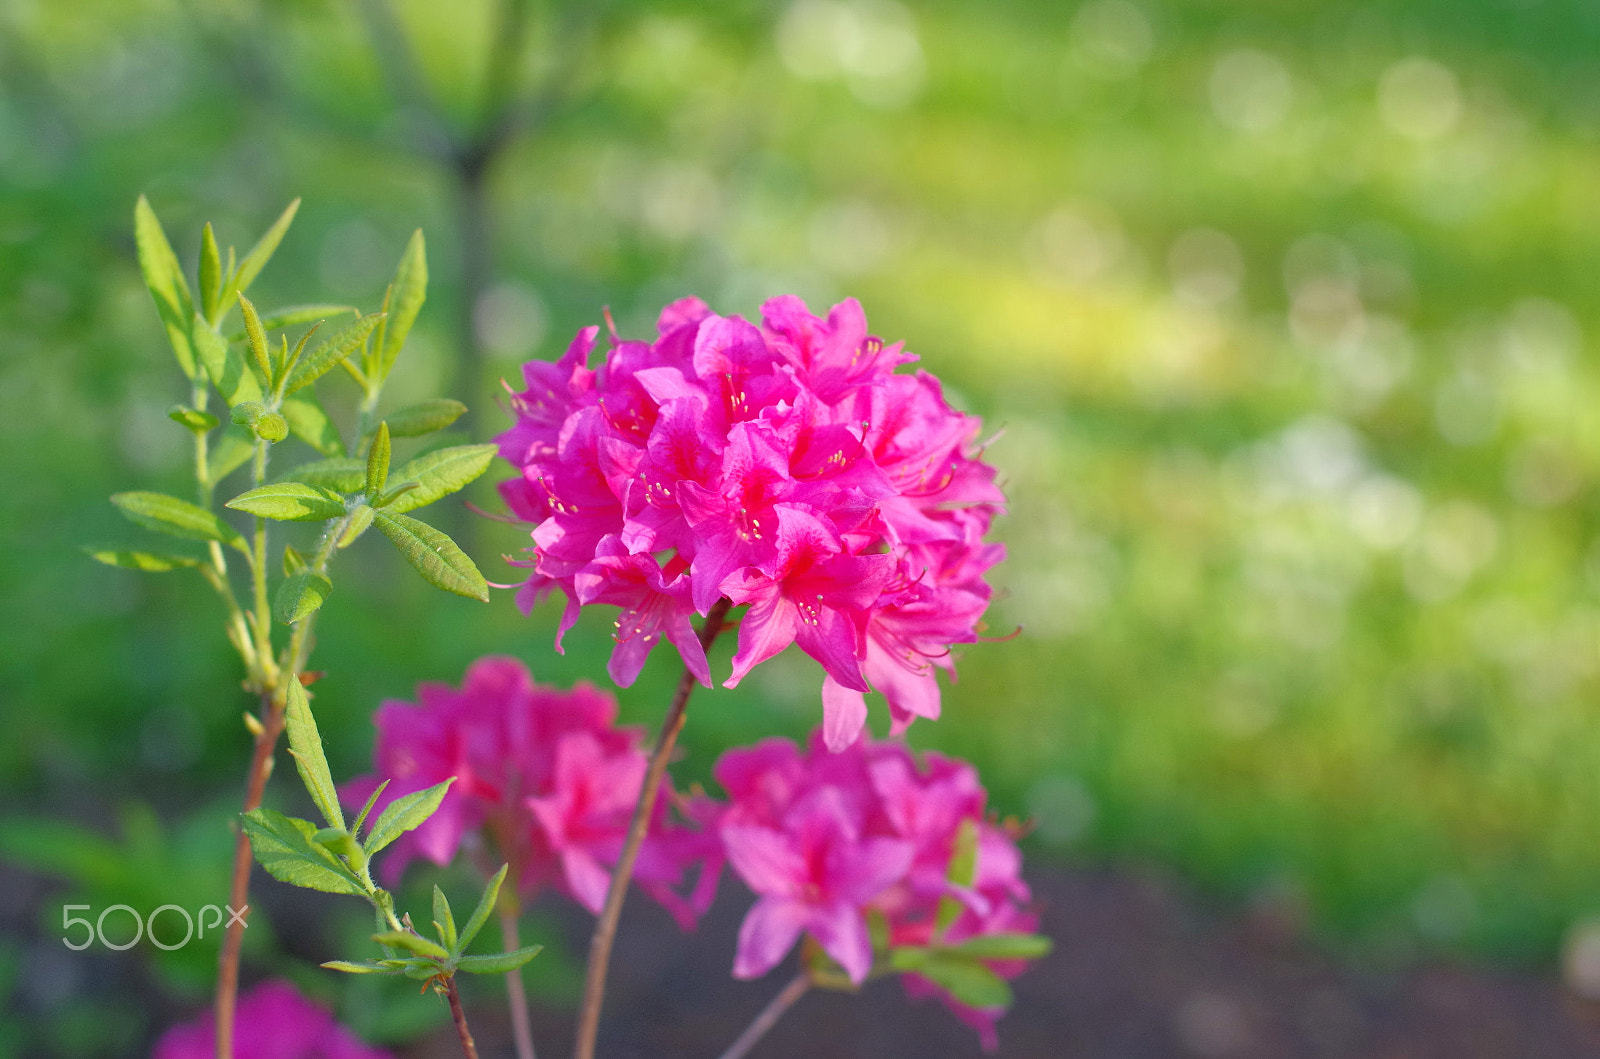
(815, 874)
(827, 839)
(785, 467)
(544, 775)
(272, 1021)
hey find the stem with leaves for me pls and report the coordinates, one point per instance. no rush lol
(605, 930)
(268, 393)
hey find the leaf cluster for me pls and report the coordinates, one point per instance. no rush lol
(268, 386)
(961, 968)
(336, 859)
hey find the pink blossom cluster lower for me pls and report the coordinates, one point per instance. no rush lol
(785, 466)
(827, 840)
(545, 781)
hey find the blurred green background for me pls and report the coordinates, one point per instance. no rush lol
(1281, 310)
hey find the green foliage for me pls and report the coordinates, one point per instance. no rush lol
(343, 474)
(968, 980)
(301, 593)
(1003, 947)
(500, 962)
(284, 847)
(234, 379)
(289, 502)
(309, 422)
(434, 555)
(336, 860)
(438, 474)
(256, 337)
(296, 314)
(327, 354)
(378, 462)
(177, 518)
(141, 560)
(404, 814)
(196, 421)
(164, 277)
(404, 302)
(252, 263)
(424, 417)
(305, 743)
(359, 522)
(210, 273)
(486, 904)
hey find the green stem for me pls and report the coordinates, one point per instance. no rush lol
(258, 577)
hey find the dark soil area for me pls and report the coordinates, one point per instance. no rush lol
(1140, 970)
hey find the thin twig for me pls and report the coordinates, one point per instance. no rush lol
(516, 996)
(768, 1017)
(272, 710)
(468, 1049)
(605, 931)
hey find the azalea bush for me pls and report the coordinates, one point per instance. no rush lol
(782, 481)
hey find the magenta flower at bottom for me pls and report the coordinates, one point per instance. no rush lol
(273, 1021)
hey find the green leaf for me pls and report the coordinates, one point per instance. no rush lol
(499, 962)
(378, 461)
(296, 314)
(963, 868)
(141, 560)
(404, 814)
(355, 828)
(436, 557)
(313, 365)
(302, 593)
(404, 939)
(291, 359)
(969, 982)
(197, 421)
(179, 518)
(362, 967)
(310, 423)
(164, 277)
(443, 921)
(289, 502)
(210, 272)
(343, 474)
(233, 447)
(235, 380)
(407, 293)
(360, 519)
(283, 846)
(440, 473)
(257, 337)
(259, 255)
(480, 915)
(1003, 947)
(424, 417)
(293, 561)
(305, 743)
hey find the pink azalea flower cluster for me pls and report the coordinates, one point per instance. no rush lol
(545, 775)
(272, 1021)
(827, 838)
(784, 466)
